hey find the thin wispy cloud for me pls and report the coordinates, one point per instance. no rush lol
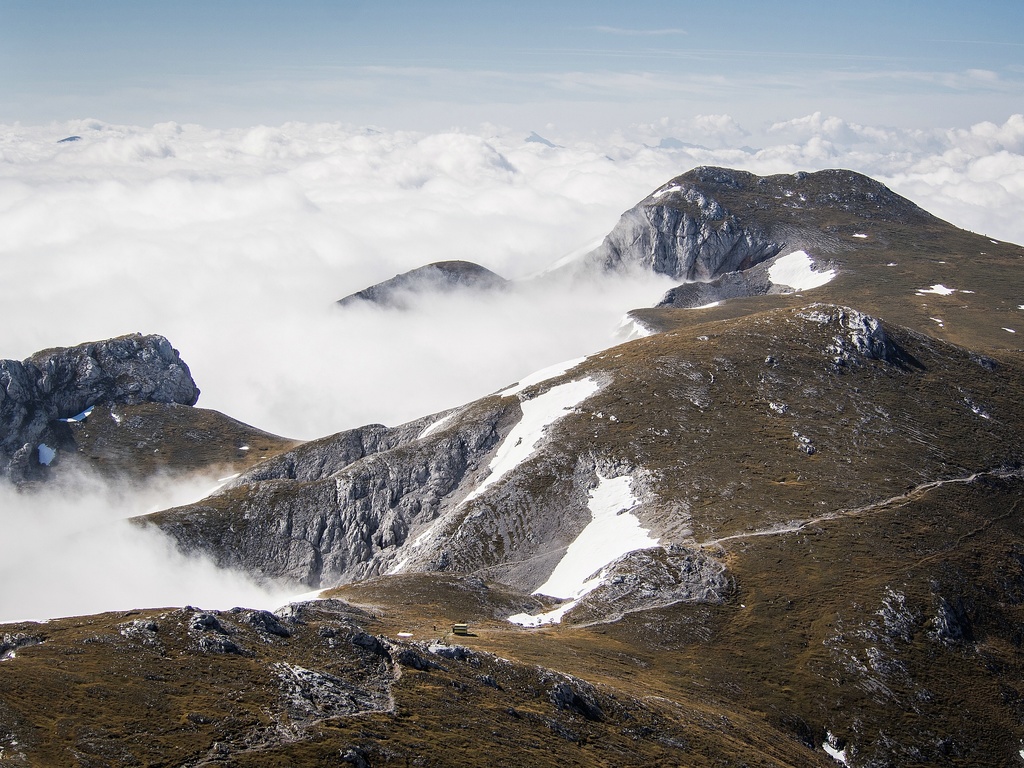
(656, 32)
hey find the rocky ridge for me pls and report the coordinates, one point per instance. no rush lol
(374, 501)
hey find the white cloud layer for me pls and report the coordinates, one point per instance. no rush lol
(235, 244)
(70, 552)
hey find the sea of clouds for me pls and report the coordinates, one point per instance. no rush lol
(235, 245)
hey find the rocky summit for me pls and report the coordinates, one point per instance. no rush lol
(122, 407)
(438, 278)
(710, 221)
(57, 385)
(783, 526)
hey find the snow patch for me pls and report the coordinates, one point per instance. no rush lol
(707, 306)
(612, 532)
(839, 755)
(305, 597)
(977, 410)
(542, 375)
(797, 271)
(46, 454)
(667, 191)
(569, 258)
(540, 619)
(939, 321)
(630, 329)
(436, 426)
(938, 289)
(80, 417)
(538, 414)
(859, 234)
(1009, 330)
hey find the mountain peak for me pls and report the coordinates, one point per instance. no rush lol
(437, 277)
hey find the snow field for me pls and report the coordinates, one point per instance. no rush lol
(629, 329)
(436, 426)
(667, 191)
(839, 755)
(542, 375)
(611, 533)
(797, 271)
(538, 414)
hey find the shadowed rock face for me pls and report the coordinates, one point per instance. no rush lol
(439, 277)
(339, 508)
(61, 383)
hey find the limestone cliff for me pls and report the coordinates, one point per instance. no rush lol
(55, 384)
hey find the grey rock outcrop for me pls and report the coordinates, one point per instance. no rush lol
(55, 384)
(653, 578)
(683, 231)
(714, 226)
(375, 500)
(439, 277)
(857, 337)
(732, 285)
(340, 508)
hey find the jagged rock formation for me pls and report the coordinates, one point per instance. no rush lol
(647, 579)
(339, 508)
(55, 384)
(439, 277)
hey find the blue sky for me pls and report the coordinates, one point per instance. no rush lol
(564, 66)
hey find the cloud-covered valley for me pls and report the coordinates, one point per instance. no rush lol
(235, 244)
